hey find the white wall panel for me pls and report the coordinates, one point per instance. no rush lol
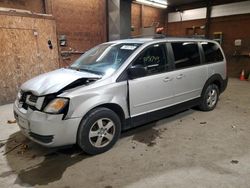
(174, 17)
(199, 13)
(217, 11)
(231, 9)
(192, 14)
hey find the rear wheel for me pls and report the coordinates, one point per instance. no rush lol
(99, 131)
(209, 98)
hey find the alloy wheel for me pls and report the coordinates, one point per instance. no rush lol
(212, 98)
(102, 132)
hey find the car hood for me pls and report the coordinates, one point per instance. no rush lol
(55, 81)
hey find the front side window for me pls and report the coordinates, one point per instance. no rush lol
(104, 59)
(212, 52)
(153, 59)
(186, 54)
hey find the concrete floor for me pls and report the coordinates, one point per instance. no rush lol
(190, 149)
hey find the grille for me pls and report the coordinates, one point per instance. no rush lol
(33, 98)
(28, 100)
(23, 97)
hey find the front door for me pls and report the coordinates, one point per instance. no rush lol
(155, 90)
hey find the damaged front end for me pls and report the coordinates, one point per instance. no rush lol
(50, 103)
(41, 91)
(41, 111)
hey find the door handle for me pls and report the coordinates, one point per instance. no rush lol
(167, 79)
(180, 76)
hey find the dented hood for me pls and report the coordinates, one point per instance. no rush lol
(54, 81)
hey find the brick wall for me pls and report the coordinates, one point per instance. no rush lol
(234, 27)
(136, 20)
(144, 16)
(36, 6)
(83, 23)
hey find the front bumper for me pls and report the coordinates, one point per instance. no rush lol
(49, 130)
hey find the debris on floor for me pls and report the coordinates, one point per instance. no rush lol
(234, 161)
(2, 144)
(12, 149)
(108, 186)
(11, 121)
(233, 126)
(4, 141)
(24, 148)
(151, 144)
(203, 122)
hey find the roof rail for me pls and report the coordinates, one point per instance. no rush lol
(155, 36)
(190, 36)
(159, 36)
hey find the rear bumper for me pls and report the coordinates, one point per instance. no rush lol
(224, 85)
(46, 129)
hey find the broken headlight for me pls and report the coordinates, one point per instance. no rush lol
(57, 106)
(19, 95)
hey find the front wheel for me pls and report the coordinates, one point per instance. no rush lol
(209, 98)
(99, 131)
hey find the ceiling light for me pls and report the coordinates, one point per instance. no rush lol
(154, 3)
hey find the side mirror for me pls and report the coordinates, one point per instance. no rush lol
(136, 71)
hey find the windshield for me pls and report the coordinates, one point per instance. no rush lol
(104, 59)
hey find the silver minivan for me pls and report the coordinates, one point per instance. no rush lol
(119, 85)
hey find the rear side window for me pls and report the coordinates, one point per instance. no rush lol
(212, 52)
(186, 54)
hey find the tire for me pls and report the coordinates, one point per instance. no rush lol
(98, 131)
(209, 98)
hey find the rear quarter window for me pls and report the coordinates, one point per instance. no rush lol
(212, 52)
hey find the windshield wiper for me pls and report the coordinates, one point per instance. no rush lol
(87, 70)
(91, 71)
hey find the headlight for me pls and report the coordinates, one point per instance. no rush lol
(56, 106)
(19, 95)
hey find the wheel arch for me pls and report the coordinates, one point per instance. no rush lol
(112, 106)
(116, 108)
(215, 79)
